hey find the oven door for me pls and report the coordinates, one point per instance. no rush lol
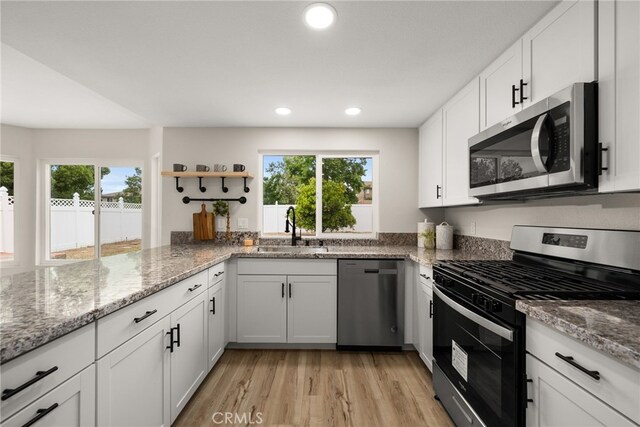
(479, 356)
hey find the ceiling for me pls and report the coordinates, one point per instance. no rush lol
(94, 64)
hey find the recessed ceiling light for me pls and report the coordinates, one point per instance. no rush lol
(283, 111)
(320, 16)
(353, 111)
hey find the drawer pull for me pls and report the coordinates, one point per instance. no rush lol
(40, 413)
(424, 276)
(195, 287)
(219, 273)
(569, 359)
(8, 392)
(147, 314)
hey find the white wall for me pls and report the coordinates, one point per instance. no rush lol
(398, 150)
(611, 211)
(17, 142)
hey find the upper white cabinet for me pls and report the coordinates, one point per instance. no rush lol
(430, 158)
(619, 94)
(498, 84)
(460, 121)
(560, 50)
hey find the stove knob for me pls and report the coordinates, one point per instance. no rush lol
(480, 301)
(474, 298)
(487, 304)
(496, 307)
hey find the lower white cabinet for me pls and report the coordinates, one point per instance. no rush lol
(215, 323)
(71, 404)
(281, 309)
(425, 316)
(189, 356)
(557, 401)
(134, 382)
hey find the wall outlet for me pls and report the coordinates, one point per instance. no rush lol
(243, 223)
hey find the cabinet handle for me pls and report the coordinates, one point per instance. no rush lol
(40, 413)
(514, 89)
(213, 301)
(438, 191)
(170, 346)
(430, 309)
(8, 392)
(289, 290)
(601, 149)
(195, 287)
(282, 289)
(178, 334)
(424, 276)
(522, 97)
(569, 359)
(526, 392)
(147, 314)
(219, 273)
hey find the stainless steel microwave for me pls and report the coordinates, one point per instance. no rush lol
(550, 148)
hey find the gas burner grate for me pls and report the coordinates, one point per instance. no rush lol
(531, 282)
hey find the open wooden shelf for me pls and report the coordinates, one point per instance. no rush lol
(197, 174)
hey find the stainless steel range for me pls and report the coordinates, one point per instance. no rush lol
(479, 342)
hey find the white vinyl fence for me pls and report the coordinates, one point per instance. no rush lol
(72, 222)
(274, 216)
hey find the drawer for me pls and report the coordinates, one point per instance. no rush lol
(117, 328)
(619, 384)
(283, 266)
(216, 274)
(63, 358)
(71, 404)
(426, 276)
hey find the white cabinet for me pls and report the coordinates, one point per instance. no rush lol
(430, 158)
(71, 404)
(133, 380)
(312, 309)
(460, 121)
(262, 309)
(559, 402)
(425, 316)
(560, 50)
(619, 94)
(498, 97)
(189, 357)
(215, 325)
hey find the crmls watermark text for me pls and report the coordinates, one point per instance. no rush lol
(237, 418)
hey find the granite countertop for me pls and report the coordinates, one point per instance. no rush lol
(39, 306)
(612, 327)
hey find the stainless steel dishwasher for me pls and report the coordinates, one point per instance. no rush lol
(370, 304)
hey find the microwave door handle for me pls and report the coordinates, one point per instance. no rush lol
(535, 144)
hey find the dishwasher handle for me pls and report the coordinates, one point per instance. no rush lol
(381, 271)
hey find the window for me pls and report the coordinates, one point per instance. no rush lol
(7, 229)
(348, 204)
(80, 213)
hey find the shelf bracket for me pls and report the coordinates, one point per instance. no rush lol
(246, 189)
(178, 188)
(224, 188)
(202, 189)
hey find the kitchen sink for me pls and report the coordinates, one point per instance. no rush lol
(294, 249)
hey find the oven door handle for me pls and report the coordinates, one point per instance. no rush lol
(482, 321)
(535, 144)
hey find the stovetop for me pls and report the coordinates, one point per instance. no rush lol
(537, 282)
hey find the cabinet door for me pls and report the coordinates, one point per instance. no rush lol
(312, 309)
(560, 50)
(215, 327)
(562, 403)
(426, 350)
(619, 94)
(496, 87)
(460, 118)
(133, 380)
(262, 309)
(430, 158)
(189, 357)
(71, 404)
(422, 319)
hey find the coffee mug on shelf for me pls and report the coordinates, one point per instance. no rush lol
(237, 167)
(219, 168)
(202, 168)
(179, 167)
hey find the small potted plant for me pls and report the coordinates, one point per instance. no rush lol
(221, 208)
(428, 237)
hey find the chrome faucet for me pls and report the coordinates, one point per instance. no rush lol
(294, 238)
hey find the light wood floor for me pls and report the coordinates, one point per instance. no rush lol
(316, 388)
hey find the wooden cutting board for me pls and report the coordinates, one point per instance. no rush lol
(203, 225)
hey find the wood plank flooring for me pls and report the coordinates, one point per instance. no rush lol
(315, 388)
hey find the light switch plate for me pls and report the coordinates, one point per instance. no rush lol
(243, 223)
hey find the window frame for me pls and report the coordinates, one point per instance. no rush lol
(17, 189)
(43, 231)
(320, 156)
